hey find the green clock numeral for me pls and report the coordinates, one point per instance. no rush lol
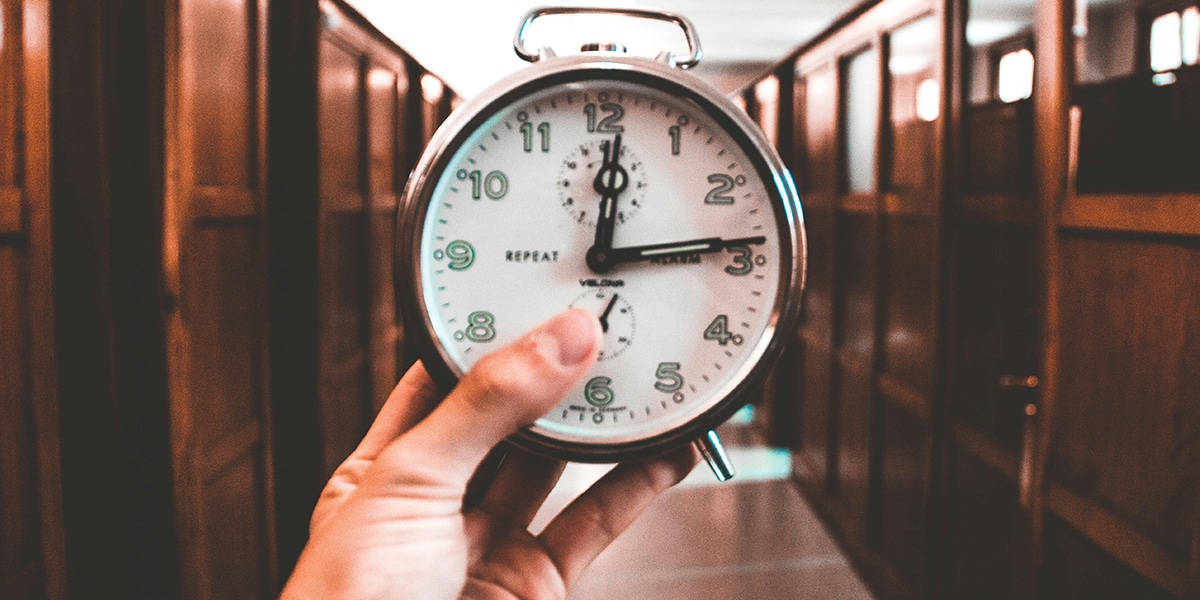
(481, 326)
(720, 194)
(676, 134)
(608, 124)
(597, 391)
(543, 130)
(743, 260)
(718, 330)
(494, 184)
(460, 253)
(669, 378)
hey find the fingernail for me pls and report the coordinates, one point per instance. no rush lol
(576, 332)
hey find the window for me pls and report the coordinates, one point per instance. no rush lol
(1015, 79)
(1175, 40)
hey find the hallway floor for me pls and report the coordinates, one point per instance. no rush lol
(752, 538)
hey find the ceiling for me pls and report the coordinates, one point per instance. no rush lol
(469, 42)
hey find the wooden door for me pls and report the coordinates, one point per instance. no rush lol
(1120, 122)
(363, 123)
(909, 324)
(32, 556)
(214, 260)
(993, 350)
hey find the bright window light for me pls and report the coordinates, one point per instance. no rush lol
(1191, 36)
(1016, 76)
(928, 100)
(1166, 48)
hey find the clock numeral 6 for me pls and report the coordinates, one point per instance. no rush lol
(480, 327)
(669, 378)
(719, 330)
(597, 391)
(460, 252)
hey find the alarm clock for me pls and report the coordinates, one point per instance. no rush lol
(631, 188)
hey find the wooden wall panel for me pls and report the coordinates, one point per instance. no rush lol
(367, 119)
(904, 493)
(910, 289)
(1130, 387)
(215, 262)
(32, 557)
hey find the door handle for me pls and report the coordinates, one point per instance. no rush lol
(1028, 434)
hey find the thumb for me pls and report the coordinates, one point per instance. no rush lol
(504, 391)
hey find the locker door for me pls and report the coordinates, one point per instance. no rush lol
(995, 319)
(214, 246)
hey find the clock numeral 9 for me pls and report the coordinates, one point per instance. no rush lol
(597, 391)
(718, 330)
(724, 184)
(744, 260)
(460, 253)
(608, 124)
(494, 184)
(480, 327)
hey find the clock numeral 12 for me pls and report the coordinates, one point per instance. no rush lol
(610, 123)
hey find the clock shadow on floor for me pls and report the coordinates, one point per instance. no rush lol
(751, 538)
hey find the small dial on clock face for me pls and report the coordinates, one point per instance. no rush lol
(701, 264)
(616, 319)
(577, 178)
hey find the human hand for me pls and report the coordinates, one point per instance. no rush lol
(391, 521)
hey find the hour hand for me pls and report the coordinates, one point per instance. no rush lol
(611, 180)
(672, 250)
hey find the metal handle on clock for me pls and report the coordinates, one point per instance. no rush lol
(713, 452)
(689, 31)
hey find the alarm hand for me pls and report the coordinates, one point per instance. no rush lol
(670, 250)
(604, 315)
(611, 180)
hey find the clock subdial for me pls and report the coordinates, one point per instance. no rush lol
(576, 183)
(616, 319)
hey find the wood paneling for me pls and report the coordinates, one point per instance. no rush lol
(215, 266)
(1130, 387)
(1050, 266)
(365, 129)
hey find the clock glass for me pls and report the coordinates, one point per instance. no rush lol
(611, 187)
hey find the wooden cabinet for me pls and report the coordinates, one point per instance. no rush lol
(995, 385)
(32, 562)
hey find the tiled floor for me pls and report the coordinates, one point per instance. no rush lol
(752, 538)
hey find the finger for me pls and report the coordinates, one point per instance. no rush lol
(410, 401)
(518, 491)
(413, 398)
(506, 390)
(589, 524)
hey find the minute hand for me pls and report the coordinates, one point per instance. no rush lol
(675, 249)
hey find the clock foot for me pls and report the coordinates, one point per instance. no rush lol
(711, 449)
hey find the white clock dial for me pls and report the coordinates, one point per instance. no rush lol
(674, 234)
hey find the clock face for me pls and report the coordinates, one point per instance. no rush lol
(630, 197)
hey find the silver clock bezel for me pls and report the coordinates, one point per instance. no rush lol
(583, 68)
